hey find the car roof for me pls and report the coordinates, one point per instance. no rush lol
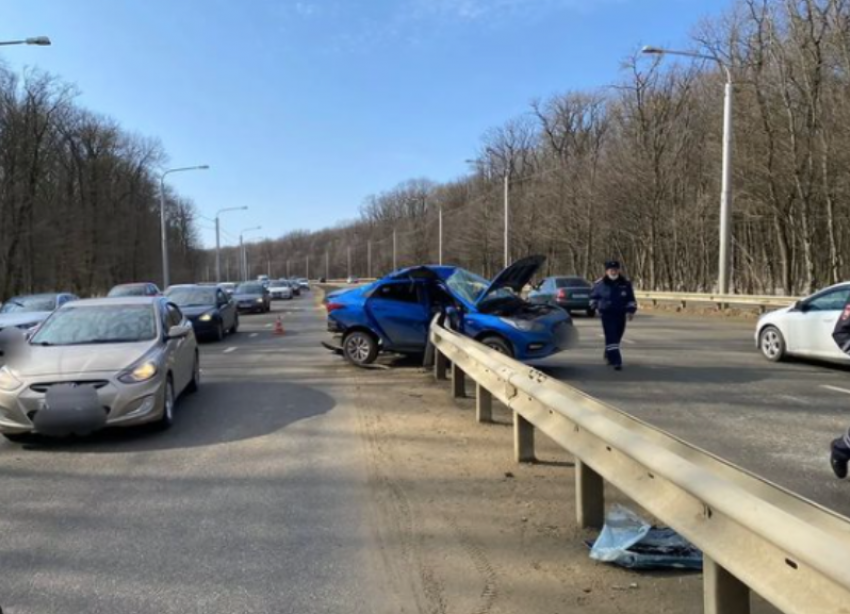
(40, 295)
(121, 300)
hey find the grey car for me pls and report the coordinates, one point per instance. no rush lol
(98, 363)
(25, 312)
(571, 293)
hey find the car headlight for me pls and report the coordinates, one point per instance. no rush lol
(206, 317)
(523, 325)
(259, 300)
(140, 373)
(9, 382)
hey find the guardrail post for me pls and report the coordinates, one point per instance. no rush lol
(523, 439)
(441, 363)
(723, 593)
(590, 497)
(483, 404)
(458, 382)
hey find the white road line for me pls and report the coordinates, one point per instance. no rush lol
(836, 389)
(629, 341)
(252, 335)
(268, 325)
(229, 350)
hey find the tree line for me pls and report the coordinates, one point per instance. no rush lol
(633, 171)
(79, 196)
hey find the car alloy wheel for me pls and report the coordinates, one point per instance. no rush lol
(168, 406)
(772, 344)
(360, 348)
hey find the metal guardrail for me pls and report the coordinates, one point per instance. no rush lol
(763, 302)
(754, 534)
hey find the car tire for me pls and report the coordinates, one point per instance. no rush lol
(235, 328)
(360, 348)
(772, 344)
(167, 419)
(218, 335)
(195, 382)
(591, 313)
(498, 345)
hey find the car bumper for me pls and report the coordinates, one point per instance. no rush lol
(251, 307)
(578, 304)
(534, 346)
(204, 328)
(279, 296)
(123, 405)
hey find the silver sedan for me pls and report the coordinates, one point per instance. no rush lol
(98, 363)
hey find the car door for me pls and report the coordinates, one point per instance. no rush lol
(182, 348)
(810, 325)
(825, 311)
(227, 309)
(399, 309)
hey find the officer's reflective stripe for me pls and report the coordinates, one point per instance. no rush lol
(611, 347)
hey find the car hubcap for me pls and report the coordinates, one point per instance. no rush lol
(358, 348)
(770, 343)
(497, 348)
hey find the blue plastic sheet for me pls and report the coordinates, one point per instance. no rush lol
(629, 541)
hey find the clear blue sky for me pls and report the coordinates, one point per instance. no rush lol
(304, 107)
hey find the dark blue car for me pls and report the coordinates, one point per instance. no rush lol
(393, 314)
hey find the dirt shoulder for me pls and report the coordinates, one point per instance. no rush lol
(468, 530)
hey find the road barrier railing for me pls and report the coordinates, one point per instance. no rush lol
(755, 535)
(721, 300)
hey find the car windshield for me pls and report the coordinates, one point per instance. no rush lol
(567, 282)
(133, 290)
(25, 304)
(471, 287)
(83, 325)
(191, 297)
(249, 289)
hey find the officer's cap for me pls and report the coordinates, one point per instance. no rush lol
(612, 264)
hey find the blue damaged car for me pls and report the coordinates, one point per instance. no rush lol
(393, 314)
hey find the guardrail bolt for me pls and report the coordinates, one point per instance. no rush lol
(483, 404)
(590, 497)
(523, 439)
(458, 382)
(723, 593)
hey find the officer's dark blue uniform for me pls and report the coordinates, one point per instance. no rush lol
(614, 300)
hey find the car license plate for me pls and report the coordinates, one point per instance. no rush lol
(580, 295)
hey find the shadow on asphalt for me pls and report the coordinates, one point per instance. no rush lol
(657, 374)
(221, 412)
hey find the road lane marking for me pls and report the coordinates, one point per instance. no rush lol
(269, 325)
(252, 335)
(229, 350)
(836, 389)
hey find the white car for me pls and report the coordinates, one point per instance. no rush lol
(280, 291)
(805, 328)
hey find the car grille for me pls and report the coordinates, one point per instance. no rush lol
(42, 388)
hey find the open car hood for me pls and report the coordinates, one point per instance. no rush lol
(514, 277)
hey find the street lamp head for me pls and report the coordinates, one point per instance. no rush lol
(41, 41)
(653, 50)
(204, 167)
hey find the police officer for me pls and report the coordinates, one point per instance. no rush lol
(614, 298)
(840, 453)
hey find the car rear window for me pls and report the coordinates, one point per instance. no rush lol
(571, 282)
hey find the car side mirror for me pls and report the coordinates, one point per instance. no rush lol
(800, 306)
(177, 332)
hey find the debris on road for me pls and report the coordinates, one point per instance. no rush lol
(629, 541)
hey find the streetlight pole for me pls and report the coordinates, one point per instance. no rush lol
(218, 240)
(507, 217)
(349, 261)
(40, 41)
(726, 181)
(162, 221)
(395, 262)
(308, 267)
(440, 217)
(369, 259)
(327, 266)
(244, 251)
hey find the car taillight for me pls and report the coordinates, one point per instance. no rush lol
(563, 295)
(333, 306)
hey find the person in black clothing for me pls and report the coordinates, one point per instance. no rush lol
(841, 447)
(614, 299)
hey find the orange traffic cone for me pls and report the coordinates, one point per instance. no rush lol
(278, 327)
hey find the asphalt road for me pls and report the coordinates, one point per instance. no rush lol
(702, 379)
(255, 501)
